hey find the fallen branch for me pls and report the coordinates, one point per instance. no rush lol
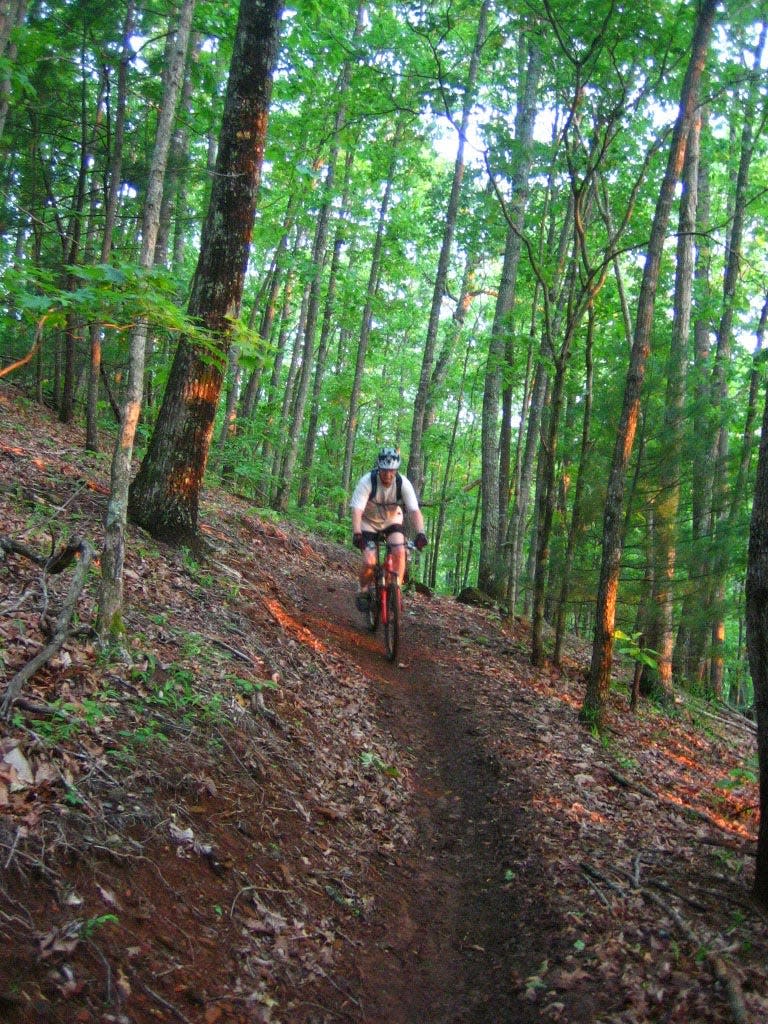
(61, 629)
(715, 962)
(665, 801)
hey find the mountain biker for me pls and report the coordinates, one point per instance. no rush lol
(377, 506)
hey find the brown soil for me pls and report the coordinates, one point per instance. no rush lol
(259, 818)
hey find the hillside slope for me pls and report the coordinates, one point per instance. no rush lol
(258, 818)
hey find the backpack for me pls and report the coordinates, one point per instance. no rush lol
(375, 483)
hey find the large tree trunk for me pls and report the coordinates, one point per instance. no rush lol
(605, 617)
(164, 497)
(757, 644)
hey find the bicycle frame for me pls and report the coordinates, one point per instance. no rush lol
(386, 606)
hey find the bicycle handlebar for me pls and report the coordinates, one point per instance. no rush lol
(408, 544)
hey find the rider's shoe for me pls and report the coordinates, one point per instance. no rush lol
(363, 600)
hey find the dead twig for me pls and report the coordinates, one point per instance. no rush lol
(665, 801)
(715, 962)
(61, 629)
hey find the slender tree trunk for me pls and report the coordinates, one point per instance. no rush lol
(319, 256)
(325, 336)
(110, 622)
(495, 450)
(721, 497)
(602, 651)
(367, 321)
(689, 657)
(111, 199)
(581, 478)
(416, 452)
(13, 14)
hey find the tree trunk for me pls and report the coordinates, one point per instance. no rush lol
(494, 450)
(110, 620)
(319, 256)
(723, 496)
(574, 529)
(416, 452)
(660, 635)
(602, 652)
(325, 337)
(111, 198)
(164, 497)
(366, 322)
(757, 645)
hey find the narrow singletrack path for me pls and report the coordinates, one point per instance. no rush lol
(463, 923)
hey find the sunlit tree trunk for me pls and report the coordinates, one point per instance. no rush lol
(660, 636)
(164, 496)
(602, 651)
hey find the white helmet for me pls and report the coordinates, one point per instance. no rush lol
(389, 458)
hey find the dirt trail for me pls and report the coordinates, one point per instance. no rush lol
(464, 919)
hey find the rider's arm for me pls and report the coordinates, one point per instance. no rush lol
(417, 519)
(358, 502)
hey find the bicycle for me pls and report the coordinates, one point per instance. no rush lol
(386, 605)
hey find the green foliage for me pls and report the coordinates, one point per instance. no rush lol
(371, 760)
(93, 924)
(630, 646)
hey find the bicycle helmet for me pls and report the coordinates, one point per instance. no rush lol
(389, 458)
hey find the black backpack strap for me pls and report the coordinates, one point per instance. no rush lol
(375, 483)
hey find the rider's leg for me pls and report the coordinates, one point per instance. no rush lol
(366, 569)
(396, 540)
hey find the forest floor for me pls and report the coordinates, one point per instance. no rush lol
(257, 818)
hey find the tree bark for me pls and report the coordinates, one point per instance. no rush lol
(602, 651)
(416, 450)
(757, 644)
(494, 483)
(164, 496)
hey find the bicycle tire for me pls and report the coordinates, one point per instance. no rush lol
(392, 621)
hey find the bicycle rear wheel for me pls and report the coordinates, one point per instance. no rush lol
(392, 620)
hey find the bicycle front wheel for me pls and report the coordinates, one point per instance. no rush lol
(392, 620)
(373, 609)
